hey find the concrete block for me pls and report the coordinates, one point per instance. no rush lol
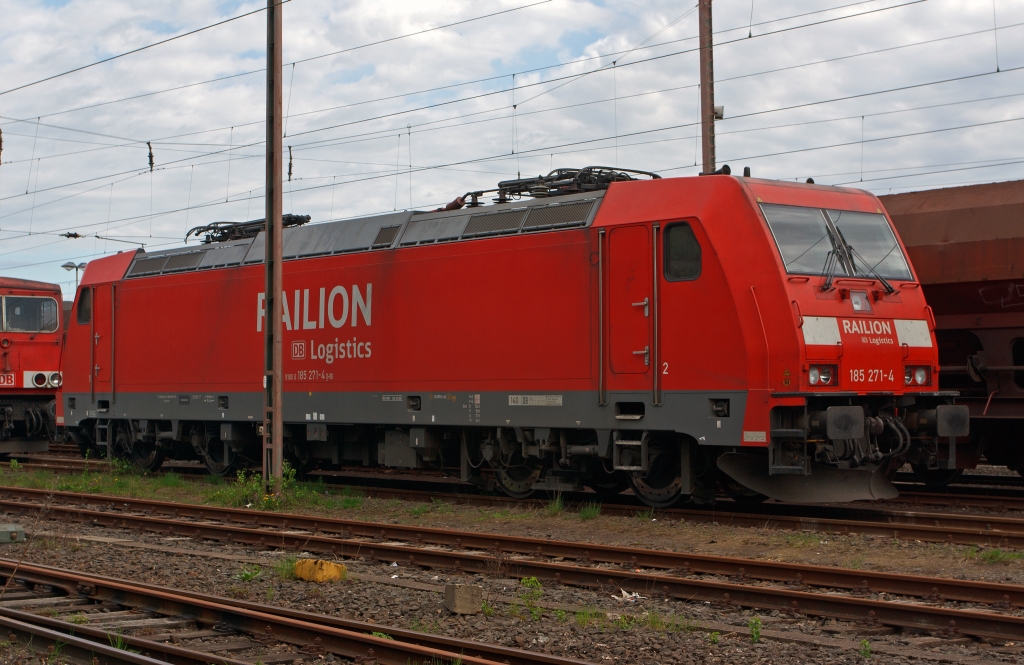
(463, 598)
(11, 533)
(318, 570)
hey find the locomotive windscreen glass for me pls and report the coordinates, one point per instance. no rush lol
(806, 237)
(802, 236)
(30, 314)
(875, 249)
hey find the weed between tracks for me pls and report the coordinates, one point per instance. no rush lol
(245, 491)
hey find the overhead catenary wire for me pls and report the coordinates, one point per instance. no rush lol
(136, 50)
(547, 148)
(930, 41)
(410, 133)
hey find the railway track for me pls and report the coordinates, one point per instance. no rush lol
(935, 605)
(913, 493)
(95, 613)
(868, 519)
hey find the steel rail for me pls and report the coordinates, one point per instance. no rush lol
(632, 558)
(70, 647)
(96, 641)
(263, 622)
(487, 562)
(42, 574)
(982, 530)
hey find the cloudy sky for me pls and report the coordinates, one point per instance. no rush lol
(888, 95)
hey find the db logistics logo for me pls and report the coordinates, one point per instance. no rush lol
(298, 350)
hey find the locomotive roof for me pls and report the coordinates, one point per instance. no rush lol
(27, 285)
(380, 232)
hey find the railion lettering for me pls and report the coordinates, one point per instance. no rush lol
(335, 308)
(866, 327)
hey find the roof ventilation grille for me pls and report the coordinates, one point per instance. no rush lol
(495, 223)
(555, 216)
(385, 236)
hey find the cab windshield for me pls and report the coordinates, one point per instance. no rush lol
(862, 244)
(29, 314)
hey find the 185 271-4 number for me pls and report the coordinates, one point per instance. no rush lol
(871, 375)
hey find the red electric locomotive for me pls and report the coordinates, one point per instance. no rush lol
(593, 327)
(30, 338)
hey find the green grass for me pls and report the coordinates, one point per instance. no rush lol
(645, 515)
(587, 616)
(383, 636)
(865, 649)
(590, 510)
(419, 510)
(170, 480)
(79, 618)
(249, 572)
(284, 567)
(802, 539)
(555, 506)
(994, 555)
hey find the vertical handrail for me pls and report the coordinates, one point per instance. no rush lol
(92, 344)
(113, 328)
(656, 399)
(600, 318)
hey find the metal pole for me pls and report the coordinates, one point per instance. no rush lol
(707, 88)
(273, 397)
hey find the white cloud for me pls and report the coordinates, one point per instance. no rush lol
(185, 126)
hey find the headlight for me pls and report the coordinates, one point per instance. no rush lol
(39, 380)
(826, 375)
(917, 375)
(822, 375)
(55, 379)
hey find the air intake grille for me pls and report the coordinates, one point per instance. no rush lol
(183, 261)
(558, 215)
(385, 236)
(502, 222)
(146, 266)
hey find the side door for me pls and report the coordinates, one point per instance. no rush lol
(630, 300)
(102, 337)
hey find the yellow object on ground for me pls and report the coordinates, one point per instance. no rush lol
(318, 570)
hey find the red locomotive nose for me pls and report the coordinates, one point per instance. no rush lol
(39, 380)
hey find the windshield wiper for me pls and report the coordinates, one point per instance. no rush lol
(871, 269)
(832, 259)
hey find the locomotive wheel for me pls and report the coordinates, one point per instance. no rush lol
(936, 477)
(517, 480)
(662, 485)
(220, 460)
(144, 456)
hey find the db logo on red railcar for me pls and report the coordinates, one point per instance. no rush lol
(7, 380)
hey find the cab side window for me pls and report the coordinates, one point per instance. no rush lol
(85, 305)
(682, 253)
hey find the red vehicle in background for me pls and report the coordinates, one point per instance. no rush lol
(594, 327)
(30, 349)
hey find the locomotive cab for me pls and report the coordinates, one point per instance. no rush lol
(867, 368)
(30, 331)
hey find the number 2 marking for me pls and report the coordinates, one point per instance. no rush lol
(664, 368)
